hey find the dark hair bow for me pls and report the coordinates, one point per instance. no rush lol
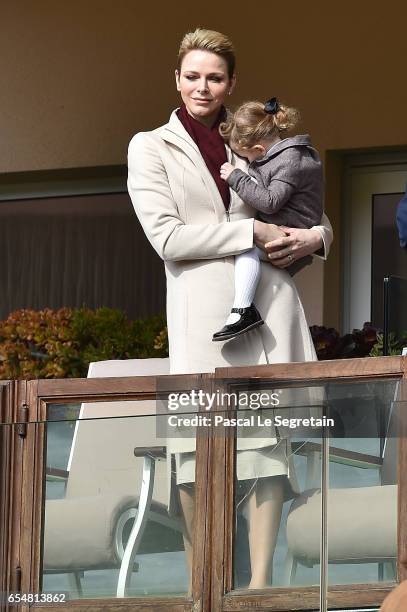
(271, 106)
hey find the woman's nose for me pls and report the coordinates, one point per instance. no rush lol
(203, 85)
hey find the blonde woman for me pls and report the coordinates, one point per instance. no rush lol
(197, 225)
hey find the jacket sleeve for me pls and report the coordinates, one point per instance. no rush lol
(174, 240)
(265, 199)
(402, 221)
(281, 178)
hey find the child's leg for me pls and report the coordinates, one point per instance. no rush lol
(247, 276)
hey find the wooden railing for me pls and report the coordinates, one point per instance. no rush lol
(25, 416)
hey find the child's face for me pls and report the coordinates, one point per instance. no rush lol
(251, 153)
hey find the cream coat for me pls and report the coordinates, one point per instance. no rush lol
(183, 216)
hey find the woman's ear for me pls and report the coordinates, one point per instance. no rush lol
(232, 84)
(177, 80)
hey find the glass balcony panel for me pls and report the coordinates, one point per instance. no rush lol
(362, 475)
(362, 498)
(97, 470)
(278, 467)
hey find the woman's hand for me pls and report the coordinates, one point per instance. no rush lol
(296, 243)
(226, 170)
(266, 233)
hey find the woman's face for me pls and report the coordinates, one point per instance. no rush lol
(204, 83)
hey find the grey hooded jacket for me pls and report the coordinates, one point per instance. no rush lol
(289, 188)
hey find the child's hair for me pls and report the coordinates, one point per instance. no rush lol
(253, 122)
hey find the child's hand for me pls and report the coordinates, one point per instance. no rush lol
(226, 170)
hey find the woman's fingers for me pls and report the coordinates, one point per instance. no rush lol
(284, 251)
(298, 243)
(281, 247)
(283, 262)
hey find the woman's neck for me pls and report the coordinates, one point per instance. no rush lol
(207, 121)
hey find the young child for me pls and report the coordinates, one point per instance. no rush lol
(284, 185)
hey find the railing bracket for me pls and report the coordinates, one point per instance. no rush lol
(22, 421)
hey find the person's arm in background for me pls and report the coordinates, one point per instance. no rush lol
(156, 209)
(401, 220)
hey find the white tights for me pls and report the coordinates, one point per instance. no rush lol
(247, 275)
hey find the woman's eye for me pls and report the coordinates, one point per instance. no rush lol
(192, 77)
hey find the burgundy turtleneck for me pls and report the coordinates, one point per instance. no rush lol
(211, 146)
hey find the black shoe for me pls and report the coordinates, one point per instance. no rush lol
(249, 319)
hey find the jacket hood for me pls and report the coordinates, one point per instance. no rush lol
(302, 140)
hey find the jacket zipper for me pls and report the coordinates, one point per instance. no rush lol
(229, 208)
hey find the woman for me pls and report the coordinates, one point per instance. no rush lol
(197, 225)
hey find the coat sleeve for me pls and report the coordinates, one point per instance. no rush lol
(325, 229)
(157, 212)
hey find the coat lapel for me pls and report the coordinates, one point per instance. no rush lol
(175, 133)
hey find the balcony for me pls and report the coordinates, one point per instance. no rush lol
(141, 493)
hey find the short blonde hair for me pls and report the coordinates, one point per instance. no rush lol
(208, 40)
(250, 124)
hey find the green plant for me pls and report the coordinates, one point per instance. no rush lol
(62, 343)
(395, 345)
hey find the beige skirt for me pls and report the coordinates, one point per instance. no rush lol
(250, 464)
